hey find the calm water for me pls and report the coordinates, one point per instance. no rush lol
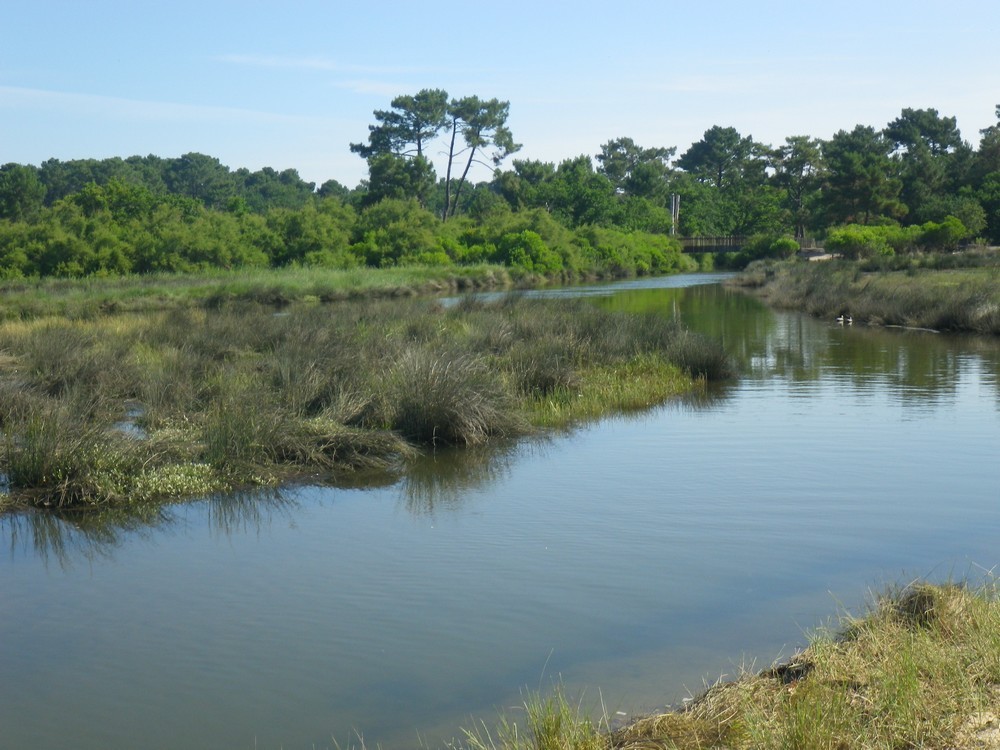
(631, 560)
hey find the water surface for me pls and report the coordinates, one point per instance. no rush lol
(631, 559)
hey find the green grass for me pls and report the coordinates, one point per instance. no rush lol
(920, 670)
(548, 723)
(138, 407)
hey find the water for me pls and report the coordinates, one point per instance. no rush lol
(632, 559)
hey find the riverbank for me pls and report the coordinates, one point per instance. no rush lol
(947, 294)
(921, 669)
(126, 410)
(23, 299)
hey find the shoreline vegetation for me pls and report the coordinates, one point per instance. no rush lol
(957, 292)
(24, 299)
(117, 395)
(920, 669)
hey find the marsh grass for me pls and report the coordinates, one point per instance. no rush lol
(548, 723)
(943, 299)
(62, 461)
(249, 395)
(91, 298)
(449, 399)
(920, 669)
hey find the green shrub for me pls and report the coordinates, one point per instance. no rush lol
(527, 250)
(943, 236)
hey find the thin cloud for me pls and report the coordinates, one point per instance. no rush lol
(75, 104)
(382, 88)
(324, 64)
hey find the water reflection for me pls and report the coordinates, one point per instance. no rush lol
(440, 481)
(637, 555)
(66, 537)
(248, 511)
(69, 537)
(918, 367)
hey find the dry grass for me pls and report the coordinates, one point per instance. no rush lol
(920, 670)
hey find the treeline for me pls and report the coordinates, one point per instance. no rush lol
(915, 184)
(917, 171)
(121, 228)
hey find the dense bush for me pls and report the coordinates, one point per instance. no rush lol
(855, 241)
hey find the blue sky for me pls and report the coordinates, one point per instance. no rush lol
(290, 84)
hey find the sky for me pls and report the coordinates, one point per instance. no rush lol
(292, 84)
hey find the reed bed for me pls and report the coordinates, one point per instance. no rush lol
(920, 669)
(127, 409)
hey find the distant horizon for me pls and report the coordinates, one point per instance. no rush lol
(292, 87)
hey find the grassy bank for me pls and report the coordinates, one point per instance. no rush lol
(128, 409)
(94, 296)
(922, 296)
(90, 297)
(921, 669)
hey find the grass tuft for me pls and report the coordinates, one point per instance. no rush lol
(445, 399)
(550, 723)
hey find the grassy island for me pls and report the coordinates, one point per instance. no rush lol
(951, 292)
(126, 409)
(921, 669)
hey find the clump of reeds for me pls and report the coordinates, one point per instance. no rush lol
(449, 399)
(921, 669)
(697, 355)
(59, 460)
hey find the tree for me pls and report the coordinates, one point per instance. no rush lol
(474, 125)
(924, 127)
(861, 182)
(798, 169)
(333, 189)
(524, 187)
(723, 158)
(392, 176)
(203, 178)
(21, 192)
(268, 188)
(989, 197)
(735, 169)
(987, 159)
(931, 154)
(408, 126)
(634, 170)
(578, 195)
(482, 124)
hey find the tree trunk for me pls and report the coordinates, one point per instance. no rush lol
(461, 182)
(447, 177)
